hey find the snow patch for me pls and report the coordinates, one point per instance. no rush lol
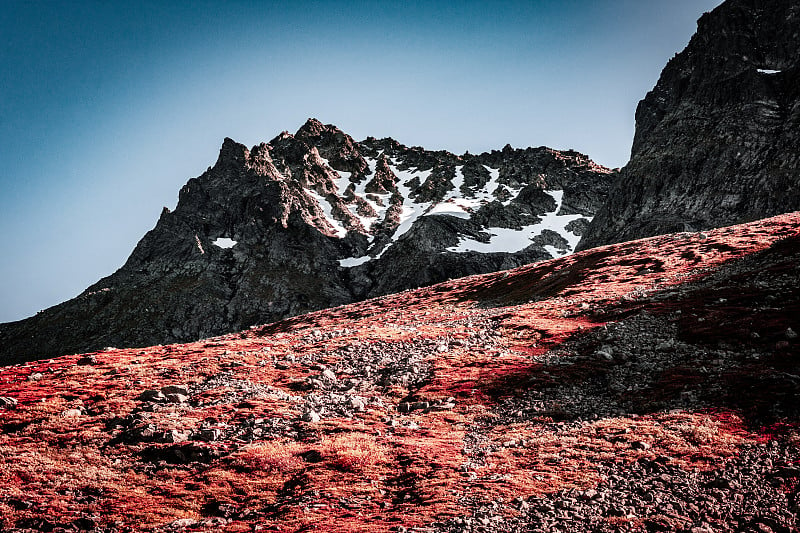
(553, 251)
(224, 242)
(327, 211)
(411, 210)
(354, 261)
(514, 240)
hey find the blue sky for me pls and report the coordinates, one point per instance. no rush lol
(106, 108)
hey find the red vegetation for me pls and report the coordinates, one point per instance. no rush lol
(449, 420)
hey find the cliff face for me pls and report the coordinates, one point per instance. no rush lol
(717, 140)
(314, 220)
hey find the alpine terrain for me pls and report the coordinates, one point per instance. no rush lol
(617, 351)
(645, 386)
(718, 139)
(314, 220)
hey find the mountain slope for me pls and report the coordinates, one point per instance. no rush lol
(717, 139)
(313, 220)
(644, 386)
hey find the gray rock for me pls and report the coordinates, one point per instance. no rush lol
(8, 403)
(603, 355)
(174, 436)
(176, 398)
(175, 389)
(357, 404)
(208, 435)
(716, 140)
(152, 395)
(311, 416)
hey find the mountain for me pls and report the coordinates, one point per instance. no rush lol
(314, 220)
(645, 386)
(717, 140)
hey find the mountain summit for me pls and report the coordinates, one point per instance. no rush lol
(717, 139)
(314, 220)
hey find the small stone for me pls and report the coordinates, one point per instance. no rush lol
(88, 360)
(36, 376)
(420, 405)
(146, 433)
(209, 435)
(357, 404)
(182, 523)
(69, 413)
(404, 407)
(640, 445)
(603, 355)
(328, 375)
(8, 403)
(175, 389)
(151, 395)
(590, 494)
(177, 398)
(311, 416)
(175, 436)
(791, 334)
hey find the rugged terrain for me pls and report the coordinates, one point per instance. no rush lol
(316, 219)
(717, 140)
(644, 386)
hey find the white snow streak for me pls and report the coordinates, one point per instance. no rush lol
(354, 261)
(513, 240)
(327, 211)
(224, 242)
(453, 204)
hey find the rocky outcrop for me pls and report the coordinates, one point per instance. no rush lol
(314, 220)
(718, 139)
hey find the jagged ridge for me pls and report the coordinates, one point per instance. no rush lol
(314, 220)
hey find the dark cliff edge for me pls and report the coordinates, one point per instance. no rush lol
(717, 140)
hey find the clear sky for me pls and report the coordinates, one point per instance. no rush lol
(107, 108)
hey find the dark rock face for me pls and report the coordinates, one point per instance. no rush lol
(718, 139)
(314, 220)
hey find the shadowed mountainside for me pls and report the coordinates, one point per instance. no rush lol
(717, 139)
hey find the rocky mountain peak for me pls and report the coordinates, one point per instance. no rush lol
(317, 219)
(717, 139)
(232, 153)
(383, 179)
